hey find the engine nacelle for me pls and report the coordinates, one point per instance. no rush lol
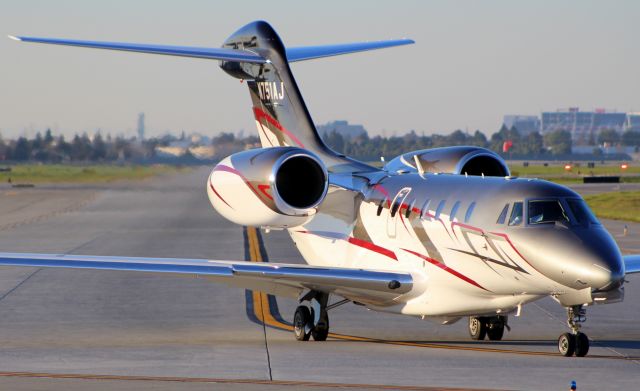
(275, 187)
(452, 160)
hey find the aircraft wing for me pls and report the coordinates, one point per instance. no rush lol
(365, 286)
(632, 263)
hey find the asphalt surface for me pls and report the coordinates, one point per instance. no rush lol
(79, 329)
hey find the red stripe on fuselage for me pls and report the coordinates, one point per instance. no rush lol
(446, 268)
(355, 241)
(259, 114)
(373, 247)
(219, 196)
(263, 189)
(222, 167)
(506, 237)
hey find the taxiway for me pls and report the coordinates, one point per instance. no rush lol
(83, 329)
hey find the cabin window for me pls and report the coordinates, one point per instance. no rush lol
(425, 208)
(395, 206)
(546, 212)
(409, 209)
(380, 206)
(454, 210)
(516, 214)
(467, 216)
(439, 209)
(503, 214)
(397, 201)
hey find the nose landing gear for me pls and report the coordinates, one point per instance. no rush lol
(575, 342)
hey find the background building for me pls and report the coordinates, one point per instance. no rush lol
(584, 126)
(524, 123)
(632, 122)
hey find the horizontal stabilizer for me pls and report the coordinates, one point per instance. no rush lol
(310, 52)
(183, 51)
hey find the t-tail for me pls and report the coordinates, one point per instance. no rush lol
(255, 53)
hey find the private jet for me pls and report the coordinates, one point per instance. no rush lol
(440, 234)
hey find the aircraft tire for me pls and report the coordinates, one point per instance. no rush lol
(321, 331)
(496, 332)
(567, 344)
(301, 319)
(582, 344)
(477, 328)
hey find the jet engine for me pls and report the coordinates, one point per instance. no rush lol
(452, 160)
(275, 187)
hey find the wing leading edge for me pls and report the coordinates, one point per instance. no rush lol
(366, 286)
(234, 55)
(631, 264)
(312, 52)
(182, 51)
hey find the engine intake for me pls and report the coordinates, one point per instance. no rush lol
(452, 160)
(301, 182)
(272, 187)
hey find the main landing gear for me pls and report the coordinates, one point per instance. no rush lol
(311, 318)
(575, 342)
(487, 326)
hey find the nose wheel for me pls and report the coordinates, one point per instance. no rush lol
(575, 342)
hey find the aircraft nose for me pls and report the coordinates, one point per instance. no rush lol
(605, 275)
(606, 269)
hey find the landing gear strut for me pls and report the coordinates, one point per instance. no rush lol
(311, 318)
(487, 326)
(575, 342)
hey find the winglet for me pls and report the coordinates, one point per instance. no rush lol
(14, 38)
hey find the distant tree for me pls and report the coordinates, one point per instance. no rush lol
(458, 137)
(533, 144)
(3, 149)
(631, 138)
(609, 136)
(81, 148)
(335, 141)
(63, 148)
(559, 141)
(22, 150)
(479, 139)
(99, 148)
(222, 138)
(48, 138)
(37, 142)
(498, 138)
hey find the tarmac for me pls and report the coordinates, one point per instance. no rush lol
(105, 330)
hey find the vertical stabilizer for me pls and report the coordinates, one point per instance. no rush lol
(281, 116)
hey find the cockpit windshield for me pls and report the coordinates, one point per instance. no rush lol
(581, 211)
(546, 212)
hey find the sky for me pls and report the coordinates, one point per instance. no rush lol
(473, 62)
